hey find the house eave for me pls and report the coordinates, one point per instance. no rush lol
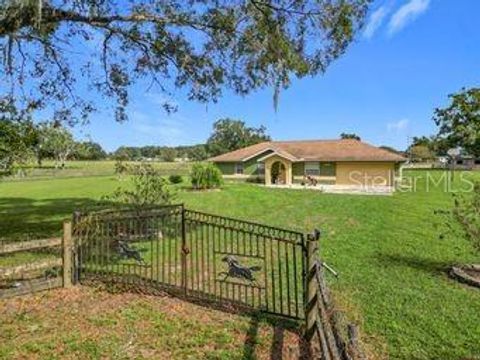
(284, 156)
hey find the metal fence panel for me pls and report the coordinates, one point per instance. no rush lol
(203, 255)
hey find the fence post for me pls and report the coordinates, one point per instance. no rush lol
(311, 311)
(75, 249)
(67, 246)
(184, 253)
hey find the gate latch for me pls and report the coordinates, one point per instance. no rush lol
(326, 266)
(185, 250)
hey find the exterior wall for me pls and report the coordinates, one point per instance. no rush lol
(366, 173)
(325, 177)
(227, 168)
(249, 169)
(298, 169)
(298, 172)
(346, 173)
(268, 169)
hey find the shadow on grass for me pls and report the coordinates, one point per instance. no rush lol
(430, 266)
(277, 324)
(30, 218)
(251, 339)
(276, 351)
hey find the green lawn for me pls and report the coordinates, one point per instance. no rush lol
(87, 168)
(391, 262)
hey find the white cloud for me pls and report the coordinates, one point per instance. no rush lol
(375, 21)
(398, 126)
(169, 130)
(407, 13)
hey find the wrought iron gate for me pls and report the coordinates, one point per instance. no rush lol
(202, 255)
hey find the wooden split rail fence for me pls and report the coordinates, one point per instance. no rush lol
(330, 339)
(48, 264)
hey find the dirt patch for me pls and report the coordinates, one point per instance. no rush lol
(86, 323)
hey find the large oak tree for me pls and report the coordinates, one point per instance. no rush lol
(231, 134)
(459, 122)
(62, 54)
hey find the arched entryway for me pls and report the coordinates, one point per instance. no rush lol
(278, 173)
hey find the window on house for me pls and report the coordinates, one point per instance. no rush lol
(239, 168)
(327, 169)
(260, 168)
(312, 168)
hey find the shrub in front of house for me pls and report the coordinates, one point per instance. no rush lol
(175, 179)
(205, 176)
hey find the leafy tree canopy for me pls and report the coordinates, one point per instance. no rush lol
(169, 155)
(421, 153)
(350, 136)
(423, 141)
(16, 140)
(17, 137)
(459, 122)
(89, 150)
(63, 54)
(435, 144)
(164, 153)
(59, 142)
(229, 135)
(148, 187)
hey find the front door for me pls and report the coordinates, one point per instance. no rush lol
(278, 173)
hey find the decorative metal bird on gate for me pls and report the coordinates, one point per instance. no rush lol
(124, 250)
(239, 271)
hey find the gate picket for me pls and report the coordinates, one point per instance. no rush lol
(202, 255)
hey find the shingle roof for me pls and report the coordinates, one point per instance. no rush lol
(314, 150)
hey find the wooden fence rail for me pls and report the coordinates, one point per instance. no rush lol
(37, 275)
(329, 339)
(12, 271)
(28, 245)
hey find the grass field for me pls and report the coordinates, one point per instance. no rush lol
(87, 168)
(392, 265)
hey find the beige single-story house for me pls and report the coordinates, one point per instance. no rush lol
(335, 162)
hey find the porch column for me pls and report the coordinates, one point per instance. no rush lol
(268, 173)
(288, 169)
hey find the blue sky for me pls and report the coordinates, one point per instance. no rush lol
(411, 55)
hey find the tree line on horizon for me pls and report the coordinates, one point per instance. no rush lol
(227, 135)
(21, 139)
(25, 141)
